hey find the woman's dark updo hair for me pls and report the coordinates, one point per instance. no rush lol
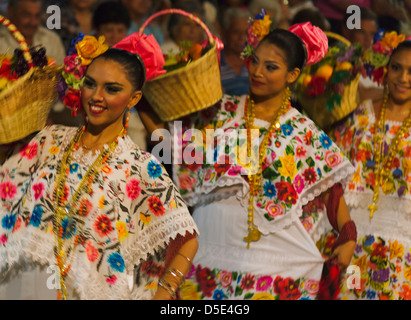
(405, 45)
(291, 44)
(132, 64)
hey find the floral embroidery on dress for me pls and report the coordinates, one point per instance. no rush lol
(216, 284)
(131, 203)
(383, 251)
(385, 270)
(355, 136)
(299, 158)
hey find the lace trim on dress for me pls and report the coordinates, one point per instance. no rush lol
(33, 246)
(156, 236)
(391, 220)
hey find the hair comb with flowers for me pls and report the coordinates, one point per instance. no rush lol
(375, 58)
(314, 39)
(83, 50)
(258, 28)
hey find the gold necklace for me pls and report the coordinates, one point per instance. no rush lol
(254, 180)
(65, 212)
(382, 166)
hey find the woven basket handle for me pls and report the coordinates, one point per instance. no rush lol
(182, 12)
(338, 37)
(20, 39)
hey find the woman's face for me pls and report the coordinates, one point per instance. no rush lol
(399, 76)
(107, 93)
(268, 71)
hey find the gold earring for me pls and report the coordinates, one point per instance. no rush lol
(127, 120)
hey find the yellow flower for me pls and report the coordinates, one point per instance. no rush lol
(261, 27)
(54, 150)
(396, 250)
(173, 204)
(357, 176)
(102, 202)
(392, 39)
(151, 286)
(145, 219)
(361, 262)
(188, 291)
(121, 230)
(262, 296)
(407, 273)
(289, 168)
(388, 186)
(363, 121)
(406, 165)
(90, 47)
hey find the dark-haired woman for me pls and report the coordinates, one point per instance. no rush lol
(85, 213)
(260, 214)
(376, 137)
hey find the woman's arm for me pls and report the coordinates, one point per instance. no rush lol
(340, 219)
(176, 271)
(149, 117)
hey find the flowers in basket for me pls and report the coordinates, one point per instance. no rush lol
(375, 59)
(83, 50)
(15, 66)
(329, 77)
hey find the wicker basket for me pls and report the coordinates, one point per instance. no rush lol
(189, 89)
(26, 103)
(315, 107)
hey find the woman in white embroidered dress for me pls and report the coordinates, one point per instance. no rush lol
(87, 214)
(377, 137)
(264, 248)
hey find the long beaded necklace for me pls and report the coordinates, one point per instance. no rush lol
(254, 180)
(382, 166)
(66, 217)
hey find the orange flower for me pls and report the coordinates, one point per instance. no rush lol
(90, 47)
(261, 27)
(392, 39)
(405, 294)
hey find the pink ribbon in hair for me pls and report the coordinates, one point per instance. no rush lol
(315, 40)
(147, 47)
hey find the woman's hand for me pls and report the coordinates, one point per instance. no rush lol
(344, 254)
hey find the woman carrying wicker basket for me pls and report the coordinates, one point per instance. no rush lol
(259, 220)
(85, 213)
(376, 137)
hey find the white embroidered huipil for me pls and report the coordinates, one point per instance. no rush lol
(301, 163)
(130, 214)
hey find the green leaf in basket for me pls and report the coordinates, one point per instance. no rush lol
(339, 76)
(334, 101)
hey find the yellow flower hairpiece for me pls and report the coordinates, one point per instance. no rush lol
(90, 47)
